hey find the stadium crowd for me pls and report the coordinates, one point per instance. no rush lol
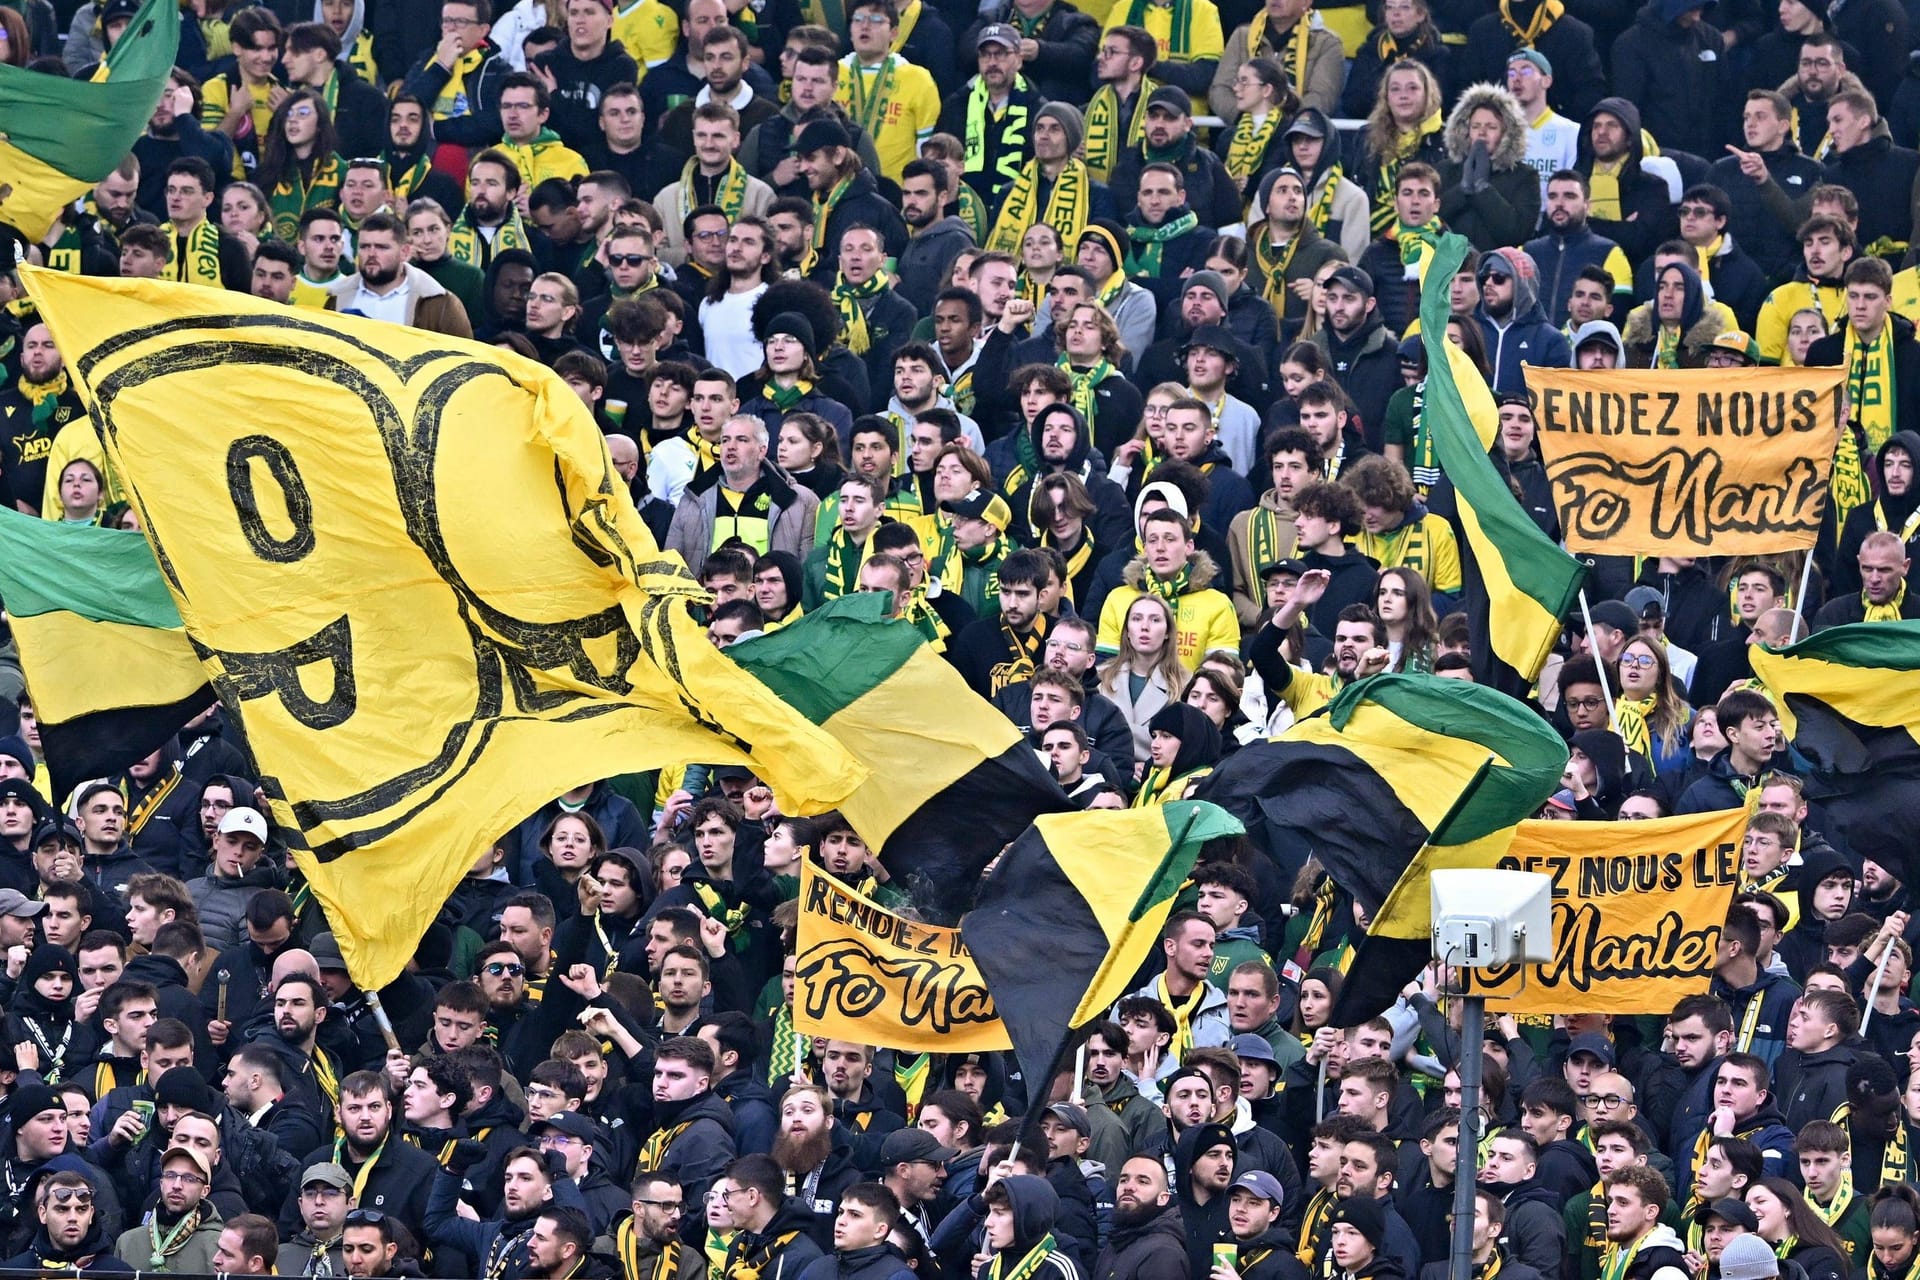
(1083, 334)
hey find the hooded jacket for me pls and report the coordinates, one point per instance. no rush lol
(1504, 209)
(1881, 175)
(223, 901)
(1035, 1206)
(1805, 944)
(1560, 256)
(1737, 281)
(789, 515)
(700, 1153)
(1701, 321)
(1525, 336)
(42, 1255)
(1153, 1249)
(1018, 461)
(1817, 1087)
(1672, 73)
(1366, 364)
(1347, 217)
(878, 1262)
(64, 1046)
(1203, 613)
(1893, 512)
(1641, 193)
(1534, 1232)
(1206, 1224)
(476, 119)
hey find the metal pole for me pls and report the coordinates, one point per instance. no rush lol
(1079, 1076)
(1606, 692)
(1873, 990)
(1320, 1094)
(1800, 596)
(1466, 1169)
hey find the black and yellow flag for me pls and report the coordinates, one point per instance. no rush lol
(412, 573)
(1436, 767)
(1070, 914)
(1849, 700)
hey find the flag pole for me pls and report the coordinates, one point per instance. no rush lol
(1873, 990)
(1606, 691)
(1800, 596)
(1473, 1030)
(1079, 1073)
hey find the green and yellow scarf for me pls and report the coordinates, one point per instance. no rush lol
(1144, 259)
(196, 259)
(1293, 53)
(730, 194)
(1027, 1267)
(1109, 137)
(843, 563)
(1248, 145)
(1888, 612)
(1383, 217)
(1013, 132)
(1085, 384)
(847, 299)
(296, 193)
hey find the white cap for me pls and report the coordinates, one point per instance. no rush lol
(241, 819)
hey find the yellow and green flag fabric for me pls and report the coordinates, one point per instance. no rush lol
(1436, 766)
(106, 659)
(1071, 913)
(416, 580)
(1519, 583)
(1849, 700)
(952, 781)
(58, 137)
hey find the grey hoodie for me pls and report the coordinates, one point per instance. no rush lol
(1600, 331)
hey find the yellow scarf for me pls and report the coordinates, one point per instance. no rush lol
(1383, 216)
(654, 1152)
(1888, 612)
(847, 299)
(1068, 206)
(1870, 396)
(1603, 185)
(909, 18)
(1084, 384)
(1273, 264)
(1248, 145)
(196, 259)
(453, 97)
(1544, 16)
(870, 104)
(1183, 1012)
(1293, 55)
(730, 195)
(823, 210)
(1104, 127)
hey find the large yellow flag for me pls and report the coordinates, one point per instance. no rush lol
(413, 574)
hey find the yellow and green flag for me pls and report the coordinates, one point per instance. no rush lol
(58, 137)
(952, 780)
(413, 575)
(1437, 766)
(106, 659)
(1519, 584)
(1849, 700)
(1070, 914)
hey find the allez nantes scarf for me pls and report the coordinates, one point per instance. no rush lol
(1067, 206)
(730, 193)
(195, 257)
(1248, 145)
(1293, 54)
(1104, 126)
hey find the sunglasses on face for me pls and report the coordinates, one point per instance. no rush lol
(497, 970)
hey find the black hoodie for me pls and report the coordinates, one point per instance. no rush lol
(1888, 511)
(1805, 944)
(41, 1255)
(1035, 1206)
(1646, 210)
(1206, 1224)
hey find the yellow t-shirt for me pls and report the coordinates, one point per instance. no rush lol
(308, 294)
(1204, 41)
(649, 31)
(1205, 620)
(1426, 546)
(1307, 692)
(1776, 314)
(904, 120)
(215, 97)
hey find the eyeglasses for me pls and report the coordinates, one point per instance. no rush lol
(454, 24)
(1584, 704)
(302, 112)
(869, 20)
(1698, 211)
(1638, 660)
(710, 235)
(80, 1197)
(497, 970)
(669, 1207)
(1603, 1101)
(365, 1218)
(182, 1177)
(629, 259)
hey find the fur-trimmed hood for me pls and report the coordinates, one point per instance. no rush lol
(1714, 320)
(1513, 126)
(1201, 571)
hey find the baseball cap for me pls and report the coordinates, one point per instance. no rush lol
(1533, 58)
(818, 136)
(192, 1153)
(1738, 342)
(1250, 1047)
(1647, 602)
(1563, 800)
(1072, 1115)
(997, 33)
(909, 1145)
(1307, 125)
(1594, 1043)
(241, 820)
(1296, 568)
(1262, 1184)
(15, 903)
(58, 829)
(1732, 1211)
(326, 1174)
(1171, 98)
(1353, 278)
(1615, 614)
(571, 1123)
(981, 505)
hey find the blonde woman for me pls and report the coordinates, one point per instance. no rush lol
(1405, 125)
(1146, 674)
(1649, 715)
